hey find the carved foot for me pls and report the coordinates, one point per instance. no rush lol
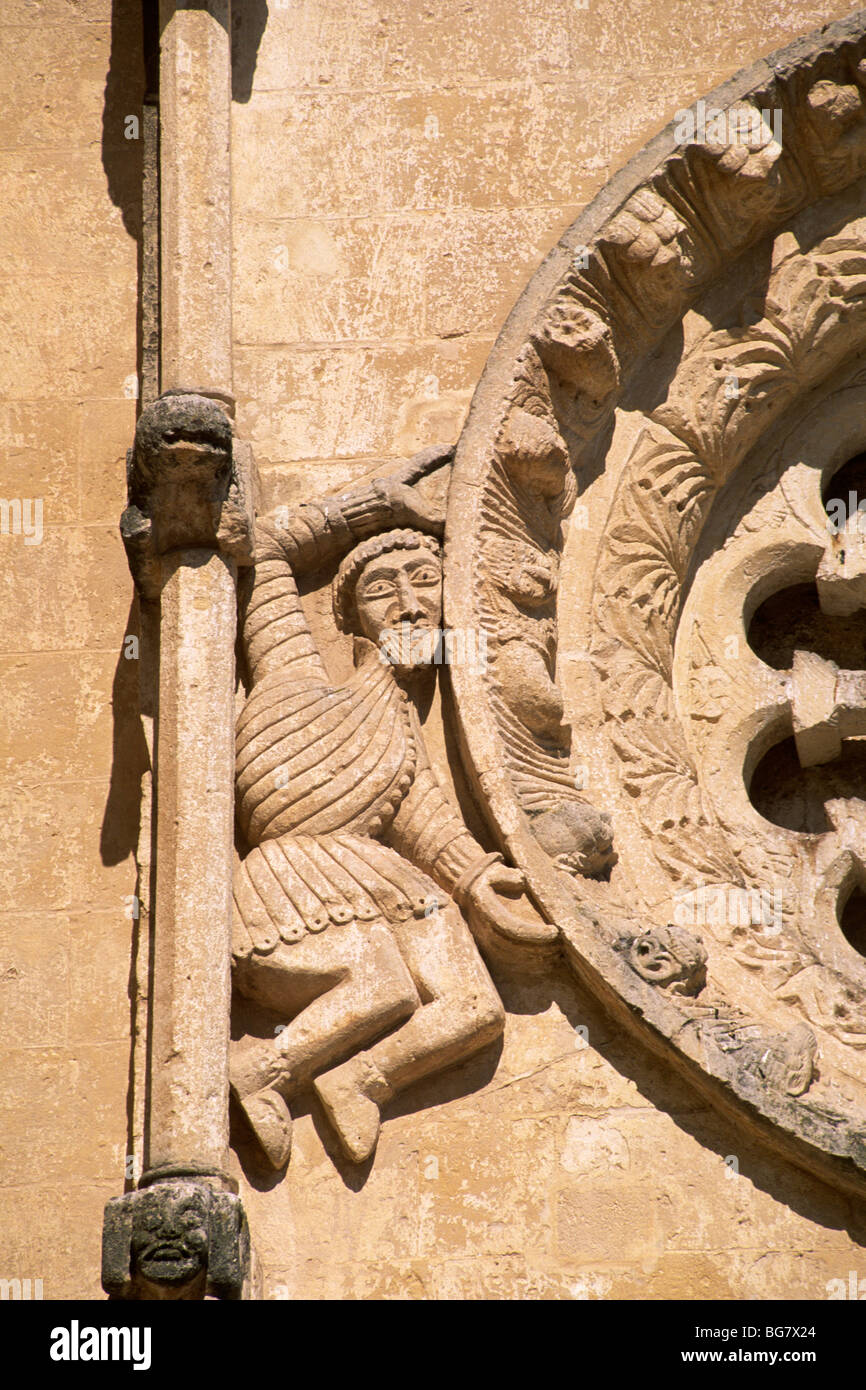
(351, 1095)
(269, 1119)
(257, 1075)
(255, 1065)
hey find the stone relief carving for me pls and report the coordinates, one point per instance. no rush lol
(178, 1240)
(641, 385)
(668, 957)
(659, 414)
(185, 486)
(356, 903)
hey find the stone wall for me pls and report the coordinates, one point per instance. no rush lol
(399, 173)
(69, 746)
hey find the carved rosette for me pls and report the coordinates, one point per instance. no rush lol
(644, 466)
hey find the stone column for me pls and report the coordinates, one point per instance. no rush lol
(195, 194)
(187, 528)
(188, 525)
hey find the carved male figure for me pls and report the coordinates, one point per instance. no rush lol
(354, 904)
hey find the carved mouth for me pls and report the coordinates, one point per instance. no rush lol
(654, 963)
(201, 448)
(168, 1264)
(206, 437)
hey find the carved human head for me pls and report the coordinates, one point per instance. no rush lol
(170, 1235)
(391, 583)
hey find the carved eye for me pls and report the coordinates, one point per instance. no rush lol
(425, 574)
(377, 588)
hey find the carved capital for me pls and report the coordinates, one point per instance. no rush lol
(188, 485)
(179, 1237)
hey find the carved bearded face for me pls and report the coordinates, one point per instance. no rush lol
(400, 592)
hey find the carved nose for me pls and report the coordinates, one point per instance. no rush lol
(410, 608)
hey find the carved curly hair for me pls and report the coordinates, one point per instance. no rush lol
(347, 576)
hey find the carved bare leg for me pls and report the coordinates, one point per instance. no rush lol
(340, 989)
(463, 1014)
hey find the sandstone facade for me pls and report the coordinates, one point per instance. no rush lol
(398, 175)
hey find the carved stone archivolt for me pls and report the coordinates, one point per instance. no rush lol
(667, 737)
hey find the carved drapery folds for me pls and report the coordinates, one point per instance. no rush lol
(642, 469)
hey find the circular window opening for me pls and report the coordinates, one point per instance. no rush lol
(844, 493)
(852, 920)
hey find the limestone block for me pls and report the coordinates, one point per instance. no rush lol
(61, 316)
(56, 214)
(62, 1111)
(38, 455)
(52, 725)
(492, 150)
(19, 13)
(614, 1225)
(55, 82)
(34, 980)
(106, 428)
(51, 831)
(51, 1231)
(412, 47)
(342, 403)
(90, 616)
(98, 953)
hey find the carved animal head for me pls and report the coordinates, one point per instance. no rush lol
(181, 437)
(577, 836)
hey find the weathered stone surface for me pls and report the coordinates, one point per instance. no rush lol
(452, 1206)
(359, 868)
(576, 387)
(175, 1239)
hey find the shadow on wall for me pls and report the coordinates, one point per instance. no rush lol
(130, 759)
(249, 21)
(126, 84)
(131, 82)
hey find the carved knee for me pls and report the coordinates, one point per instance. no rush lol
(483, 1015)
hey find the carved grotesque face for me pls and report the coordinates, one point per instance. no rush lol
(401, 592)
(169, 1236)
(183, 437)
(671, 958)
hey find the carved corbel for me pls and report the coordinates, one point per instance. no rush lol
(186, 486)
(178, 1238)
